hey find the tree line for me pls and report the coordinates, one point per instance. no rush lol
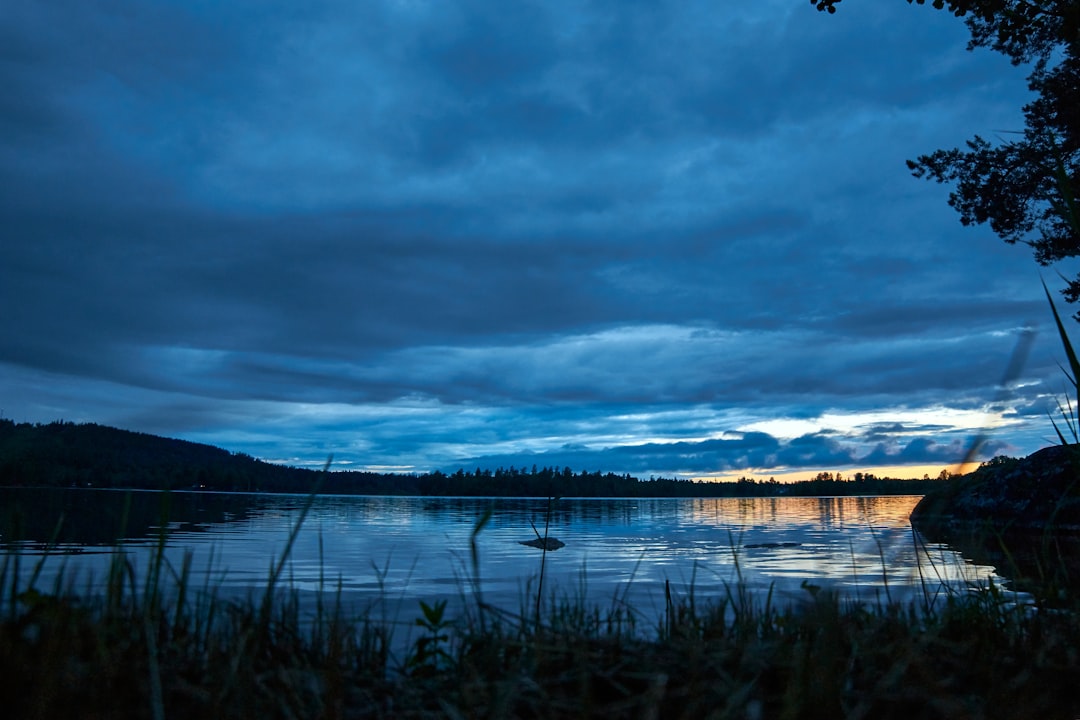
(65, 454)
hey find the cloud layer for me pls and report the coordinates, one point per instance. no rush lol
(621, 236)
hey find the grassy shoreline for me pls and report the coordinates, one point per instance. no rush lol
(152, 645)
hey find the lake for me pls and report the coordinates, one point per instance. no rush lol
(403, 549)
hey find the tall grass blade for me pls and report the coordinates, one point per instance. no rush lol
(49, 546)
(1012, 371)
(276, 570)
(1069, 415)
(474, 555)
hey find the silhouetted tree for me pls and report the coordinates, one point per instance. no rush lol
(1025, 188)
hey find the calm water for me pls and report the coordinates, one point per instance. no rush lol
(404, 549)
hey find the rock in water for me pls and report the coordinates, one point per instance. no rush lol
(1039, 492)
(548, 543)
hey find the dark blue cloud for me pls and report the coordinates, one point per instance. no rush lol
(927, 451)
(743, 450)
(626, 235)
(749, 452)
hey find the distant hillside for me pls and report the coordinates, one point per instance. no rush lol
(89, 455)
(64, 454)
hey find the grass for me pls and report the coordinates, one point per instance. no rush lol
(160, 647)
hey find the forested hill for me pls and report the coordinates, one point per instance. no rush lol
(64, 454)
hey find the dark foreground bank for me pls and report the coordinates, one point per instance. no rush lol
(160, 647)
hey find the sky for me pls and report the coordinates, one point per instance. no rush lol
(659, 238)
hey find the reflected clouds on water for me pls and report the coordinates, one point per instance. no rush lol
(616, 549)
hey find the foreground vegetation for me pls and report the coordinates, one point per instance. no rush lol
(156, 643)
(133, 654)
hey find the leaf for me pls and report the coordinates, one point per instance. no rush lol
(433, 614)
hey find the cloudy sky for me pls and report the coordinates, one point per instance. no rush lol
(671, 238)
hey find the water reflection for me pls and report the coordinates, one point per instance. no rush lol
(377, 547)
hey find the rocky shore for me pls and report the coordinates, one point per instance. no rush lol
(1038, 493)
(1021, 517)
